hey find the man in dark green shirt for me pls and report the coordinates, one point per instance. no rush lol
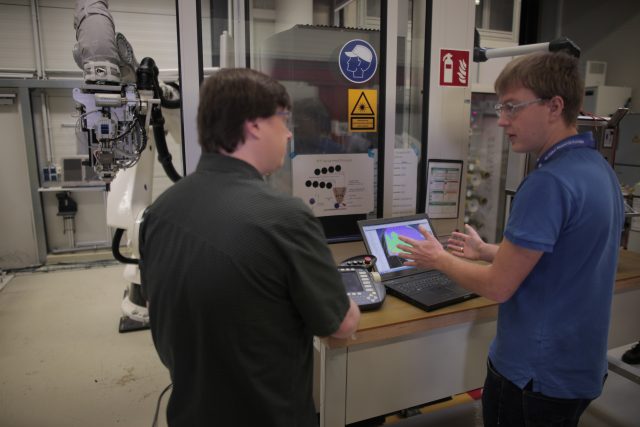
(238, 276)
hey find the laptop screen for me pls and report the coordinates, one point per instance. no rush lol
(381, 239)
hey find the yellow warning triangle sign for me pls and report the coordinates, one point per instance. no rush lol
(362, 107)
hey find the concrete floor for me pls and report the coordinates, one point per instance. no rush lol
(63, 362)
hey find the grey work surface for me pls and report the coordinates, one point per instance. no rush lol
(614, 357)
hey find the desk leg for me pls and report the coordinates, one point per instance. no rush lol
(333, 386)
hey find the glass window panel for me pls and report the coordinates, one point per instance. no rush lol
(495, 15)
(486, 169)
(299, 43)
(501, 17)
(479, 13)
(373, 8)
(409, 99)
(290, 51)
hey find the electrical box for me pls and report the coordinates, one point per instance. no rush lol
(77, 172)
(605, 100)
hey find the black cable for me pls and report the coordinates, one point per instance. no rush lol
(115, 248)
(147, 78)
(155, 415)
(164, 157)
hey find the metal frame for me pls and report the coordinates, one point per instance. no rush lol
(389, 17)
(34, 180)
(191, 75)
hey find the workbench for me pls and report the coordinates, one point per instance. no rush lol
(402, 356)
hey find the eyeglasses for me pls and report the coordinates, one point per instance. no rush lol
(288, 119)
(511, 109)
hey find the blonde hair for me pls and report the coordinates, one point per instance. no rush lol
(546, 75)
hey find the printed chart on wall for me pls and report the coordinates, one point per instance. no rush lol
(443, 188)
(334, 184)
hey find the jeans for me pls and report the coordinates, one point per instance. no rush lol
(506, 405)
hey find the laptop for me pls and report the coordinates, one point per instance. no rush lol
(427, 289)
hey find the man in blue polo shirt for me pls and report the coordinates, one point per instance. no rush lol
(553, 273)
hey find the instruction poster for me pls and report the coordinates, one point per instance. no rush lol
(340, 184)
(405, 178)
(443, 188)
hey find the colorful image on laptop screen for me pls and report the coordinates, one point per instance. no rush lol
(383, 239)
(389, 239)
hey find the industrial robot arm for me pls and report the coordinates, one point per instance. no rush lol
(117, 104)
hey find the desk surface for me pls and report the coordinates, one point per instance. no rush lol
(397, 318)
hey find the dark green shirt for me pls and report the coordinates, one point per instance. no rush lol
(239, 279)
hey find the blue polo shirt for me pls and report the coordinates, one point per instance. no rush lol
(554, 329)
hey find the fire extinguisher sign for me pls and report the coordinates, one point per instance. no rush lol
(454, 67)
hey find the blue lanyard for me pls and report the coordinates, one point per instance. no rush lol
(577, 141)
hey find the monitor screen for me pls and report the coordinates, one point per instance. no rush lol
(351, 281)
(382, 241)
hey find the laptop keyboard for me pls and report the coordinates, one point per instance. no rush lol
(413, 285)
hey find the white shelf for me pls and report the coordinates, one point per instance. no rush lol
(74, 189)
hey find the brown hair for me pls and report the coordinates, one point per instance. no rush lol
(547, 75)
(229, 98)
